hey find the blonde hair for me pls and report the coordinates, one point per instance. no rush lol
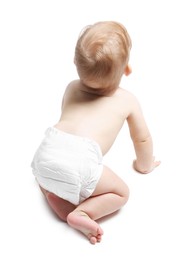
(102, 54)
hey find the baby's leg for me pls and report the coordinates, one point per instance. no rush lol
(60, 206)
(109, 196)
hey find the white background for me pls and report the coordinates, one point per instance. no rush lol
(37, 40)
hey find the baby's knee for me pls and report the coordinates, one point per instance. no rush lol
(125, 194)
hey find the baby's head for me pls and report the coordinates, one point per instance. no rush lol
(102, 55)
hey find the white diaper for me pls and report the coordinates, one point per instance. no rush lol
(67, 165)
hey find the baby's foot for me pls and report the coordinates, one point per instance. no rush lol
(82, 222)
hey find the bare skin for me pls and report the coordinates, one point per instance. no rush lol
(100, 117)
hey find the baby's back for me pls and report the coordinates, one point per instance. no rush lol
(97, 117)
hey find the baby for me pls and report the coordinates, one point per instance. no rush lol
(68, 163)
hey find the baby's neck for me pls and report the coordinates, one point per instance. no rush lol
(98, 91)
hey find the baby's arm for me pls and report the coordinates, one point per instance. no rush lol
(142, 140)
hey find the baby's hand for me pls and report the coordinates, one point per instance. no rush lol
(153, 166)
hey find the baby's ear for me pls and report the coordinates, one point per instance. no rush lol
(128, 70)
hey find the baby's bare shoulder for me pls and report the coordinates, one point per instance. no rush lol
(123, 93)
(127, 101)
(125, 96)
